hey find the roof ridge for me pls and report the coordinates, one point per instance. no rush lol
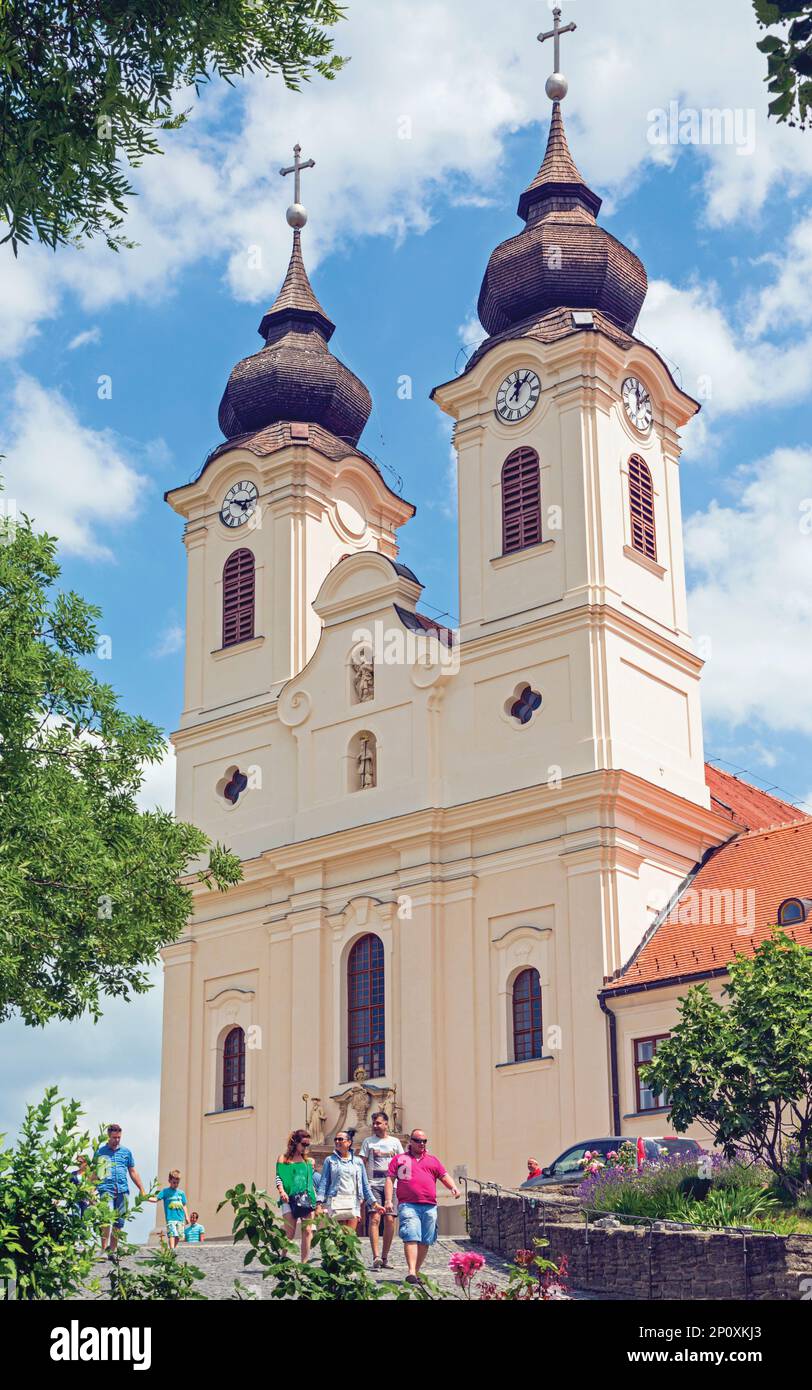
(773, 829)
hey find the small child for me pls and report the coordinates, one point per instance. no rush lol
(175, 1211)
(195, 1232)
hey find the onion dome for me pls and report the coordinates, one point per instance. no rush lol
(562, 258)
(295, 376)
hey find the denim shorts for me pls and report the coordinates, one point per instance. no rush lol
(417, 1222)
(118, 1201)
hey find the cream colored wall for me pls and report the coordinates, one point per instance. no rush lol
(648, 1015)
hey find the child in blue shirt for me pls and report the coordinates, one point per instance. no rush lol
(174, 1200)
(195, 1232)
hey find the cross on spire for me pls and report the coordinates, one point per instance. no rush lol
(555, 33)
(296, 168)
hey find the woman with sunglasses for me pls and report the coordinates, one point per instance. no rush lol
(343, 1184)
(297, 1189)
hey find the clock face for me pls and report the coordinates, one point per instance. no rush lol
(239, 504)
(518, 396)
(638, 405)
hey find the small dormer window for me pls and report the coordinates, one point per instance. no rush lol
(794, 910)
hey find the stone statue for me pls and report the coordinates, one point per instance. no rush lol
(363, 677)
(366, 766)
(316, 1119)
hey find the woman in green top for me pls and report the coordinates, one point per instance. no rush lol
(294, 1175)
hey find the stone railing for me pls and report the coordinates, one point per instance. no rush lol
(639, 1259)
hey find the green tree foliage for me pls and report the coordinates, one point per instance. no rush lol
(744, 1070)
(789, 58)
(90, 886)
(161, 1277)
(85, 87)
(47, 1244)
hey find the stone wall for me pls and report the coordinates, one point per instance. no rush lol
(638, 1263)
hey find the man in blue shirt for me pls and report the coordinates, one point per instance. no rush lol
(113, 1165)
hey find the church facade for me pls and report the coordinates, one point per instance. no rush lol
(452, 843)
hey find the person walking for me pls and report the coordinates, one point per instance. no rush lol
(343, 1185)
(296, 1186)
(416, 1174)
(176, 1212)
(377, 1152)
(114, 1165)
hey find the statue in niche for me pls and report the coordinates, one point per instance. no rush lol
(316, 1119)
(363, 676)
(366, 764)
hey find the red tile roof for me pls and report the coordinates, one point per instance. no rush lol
(747, 805)
(727, 907)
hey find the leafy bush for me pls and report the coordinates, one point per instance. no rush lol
(47, 1240)
(161, 1277)
(735, 1194)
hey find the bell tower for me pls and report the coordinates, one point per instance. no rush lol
(284, 499)
(567, 439)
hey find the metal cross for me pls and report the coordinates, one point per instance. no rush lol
(555, 33)
(296, 168)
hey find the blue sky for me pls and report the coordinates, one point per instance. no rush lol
(399, 236)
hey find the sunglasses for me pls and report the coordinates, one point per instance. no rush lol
(419, 1141)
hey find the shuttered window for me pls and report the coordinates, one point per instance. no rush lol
(641, 502)
(234, 1070)
(366, 1018)
(527, 1031)
(521, 501)
(238, 598)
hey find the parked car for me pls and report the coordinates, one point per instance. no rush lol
(568, 1166)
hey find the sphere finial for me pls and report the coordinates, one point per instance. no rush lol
(557, 85)
(297, 216)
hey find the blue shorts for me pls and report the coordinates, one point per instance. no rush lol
(118, 1201)
(417, 1223)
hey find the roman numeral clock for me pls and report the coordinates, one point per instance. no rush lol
(518, 396)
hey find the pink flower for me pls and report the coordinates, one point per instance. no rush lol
(465, 1267)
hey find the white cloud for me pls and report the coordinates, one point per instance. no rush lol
(74, 482)
(455, 80)
(158, 788)
(90, 335)
(170, 641)
(750, 567)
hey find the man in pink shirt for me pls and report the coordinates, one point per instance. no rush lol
(416, 1173)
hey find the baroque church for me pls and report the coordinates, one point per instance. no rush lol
(479, 867)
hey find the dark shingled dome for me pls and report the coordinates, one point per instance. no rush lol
(562, 259)
(295, 376)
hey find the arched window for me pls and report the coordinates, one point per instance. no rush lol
(527, 1031)
(234, 1070)
(521, 501)
(365, 1008)
(641, 504)
(793, 910)
(238, 598)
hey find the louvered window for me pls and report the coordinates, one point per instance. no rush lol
(234, 1070)
(527, 1031)
(366, 1022)
(238, 598)
(641, 502)
(521, 501)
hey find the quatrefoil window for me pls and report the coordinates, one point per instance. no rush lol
(526, 702)
(234, 788)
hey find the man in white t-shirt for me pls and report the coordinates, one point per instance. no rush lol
(377, 1152)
